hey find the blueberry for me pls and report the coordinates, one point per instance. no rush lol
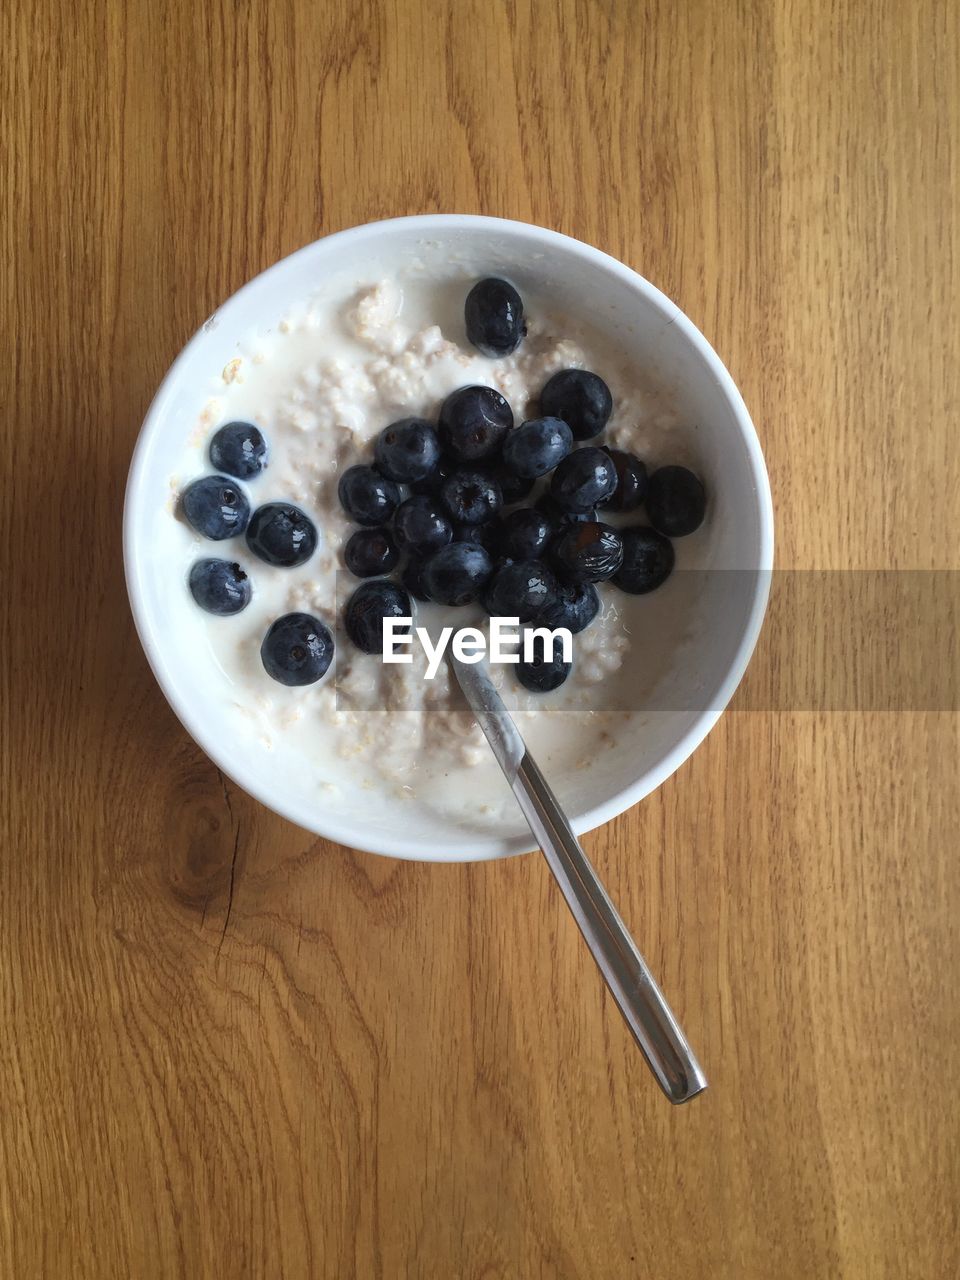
(368, 606)
(536, 447)
(524, 590)
(367, 496)
(631, 481)
(297, 649)
(281, 534)
(432, 484)
(581, 399)
(584, 479)
(559, 516)
(485, 593)
(370, 553)
(420, 525)
(239, 449)
(576, 606)
(218, 586)
(647, 560)
(493, 313)
(675, 501)
(457, 573)
(486, 535)
(407, 450)
(215, 507)
(525, 534)
(474, 422)
(547, 671)
(412, 579)
(590, 552)
(513, 487)
(471, 497)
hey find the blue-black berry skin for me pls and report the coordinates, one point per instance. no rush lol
(297, 650)
(407, 451)
(675, 501)
(559, 516)
(432, 484)
(590, 552)
(370, 553)
(537, 446)
(367, 496)
(493, 314)
(368, 606)
(576, 606)
(474, 422)
(524, 590)
(282, 535)
(456, 574)
(239, 449)
(546, 672)
(514, 488)
(219, 586)
(648, 560)
(421, 526)
(216, 507)
(525, 534)
(471, 497)
(412, 579)
(486, 535)
(631, 481)
(582, 399)
(585, 478)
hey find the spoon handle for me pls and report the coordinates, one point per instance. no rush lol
(640, 1000)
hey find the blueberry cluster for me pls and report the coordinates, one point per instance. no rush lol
(298, 648)
(470, 508)
(475, 508)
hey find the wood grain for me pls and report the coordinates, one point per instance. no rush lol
(229, 1049)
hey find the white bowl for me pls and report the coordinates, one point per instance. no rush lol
(573, 276)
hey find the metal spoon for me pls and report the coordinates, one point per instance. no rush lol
(640, 1000)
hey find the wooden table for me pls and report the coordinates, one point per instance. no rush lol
(229, 1049)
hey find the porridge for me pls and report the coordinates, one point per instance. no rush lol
(519, 512)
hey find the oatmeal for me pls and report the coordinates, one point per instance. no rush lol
(315, 393)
